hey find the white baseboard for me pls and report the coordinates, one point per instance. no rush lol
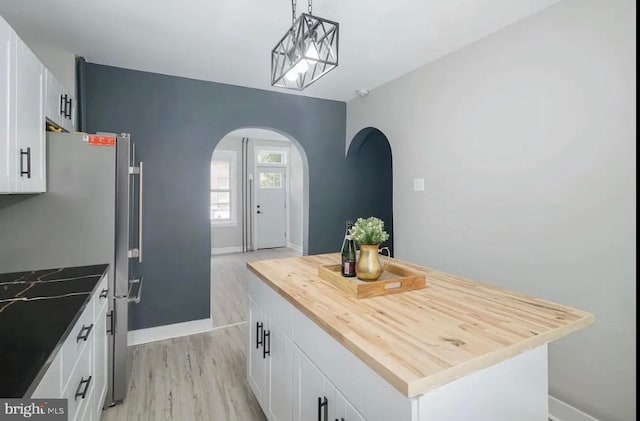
(226, 250)
(160, 333)
(295, 247)
(561, 411)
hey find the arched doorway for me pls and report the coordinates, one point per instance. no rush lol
(371, 178)
(258, 210)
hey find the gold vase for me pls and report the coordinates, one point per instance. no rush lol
(368, 267)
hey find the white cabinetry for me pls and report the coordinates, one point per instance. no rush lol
(59, 104)
(287, 384)
(256, 361)
(22, 105)
(269, 365)
(79, 369)
(7, 145)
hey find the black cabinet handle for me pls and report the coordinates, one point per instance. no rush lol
(67, 108)
(110, 322)
(84, 333)
(84, 386)
(26, 153)
(266, 347)
(104, 293)
(323, 403)
(259, 333)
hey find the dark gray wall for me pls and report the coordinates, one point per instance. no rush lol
(176, 124)
(371, 179)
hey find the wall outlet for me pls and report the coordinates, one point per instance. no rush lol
(418, 184)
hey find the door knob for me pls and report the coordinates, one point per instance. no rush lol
(259, 212)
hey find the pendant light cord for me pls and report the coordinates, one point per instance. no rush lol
(294, 3)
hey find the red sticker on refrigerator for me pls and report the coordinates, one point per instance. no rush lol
(101, 140)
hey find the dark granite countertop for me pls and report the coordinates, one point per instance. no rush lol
(37, 311)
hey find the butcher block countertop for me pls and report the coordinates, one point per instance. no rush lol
(420, 340)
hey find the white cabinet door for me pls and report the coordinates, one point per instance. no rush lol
(352, 414)
(256, 357)
(310, 397)
(71, 116)
(7, 94)
(100, 360)
(338, 410)
(53, 99)
(279, 374)
(29, 126)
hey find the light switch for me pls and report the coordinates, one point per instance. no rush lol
(418, 184)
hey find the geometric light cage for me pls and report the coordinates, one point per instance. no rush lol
(308, 51)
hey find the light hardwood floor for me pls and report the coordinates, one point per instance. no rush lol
(193, 378)
(199, 377)
(229, 283)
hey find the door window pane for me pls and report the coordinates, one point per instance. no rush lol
(270, 180)
(273, 157)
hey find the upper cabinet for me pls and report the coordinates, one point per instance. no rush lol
(29, 121)
(59, 104)
(30, 96)
(7, 146)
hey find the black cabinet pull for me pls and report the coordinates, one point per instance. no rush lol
(26, 153)
(259, 333)
(84, 386)
(266, 346)
(84, 333)
(67, 108)
(323, 403)
(110, 323)
(104, 293)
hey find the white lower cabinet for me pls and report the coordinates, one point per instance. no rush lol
(286, 383)
(279, 374)
(78, 372)
(269, 368)
(256, 361)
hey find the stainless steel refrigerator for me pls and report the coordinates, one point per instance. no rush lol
(90, 214)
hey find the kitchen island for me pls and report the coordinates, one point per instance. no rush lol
(455, 350)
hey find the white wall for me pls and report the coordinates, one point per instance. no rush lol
(62, 64)
(526, 140)
(296, 198)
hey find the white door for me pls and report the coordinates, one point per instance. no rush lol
(271, 209)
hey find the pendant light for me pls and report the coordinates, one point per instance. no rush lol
(306, 52)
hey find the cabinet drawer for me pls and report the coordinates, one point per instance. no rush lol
(274, 306)
(80, 336)
(80, 386)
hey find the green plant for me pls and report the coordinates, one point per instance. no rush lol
(369, 231)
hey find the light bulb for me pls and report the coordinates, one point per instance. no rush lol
(291, 75)
(302, 66)
(312, 51)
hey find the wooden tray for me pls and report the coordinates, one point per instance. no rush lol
(394, 279)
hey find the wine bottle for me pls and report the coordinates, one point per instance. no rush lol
(348, 253)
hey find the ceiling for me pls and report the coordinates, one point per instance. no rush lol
(230, 41)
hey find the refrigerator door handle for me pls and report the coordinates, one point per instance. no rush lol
(139, 170)
(135, 289)
(140, 211)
